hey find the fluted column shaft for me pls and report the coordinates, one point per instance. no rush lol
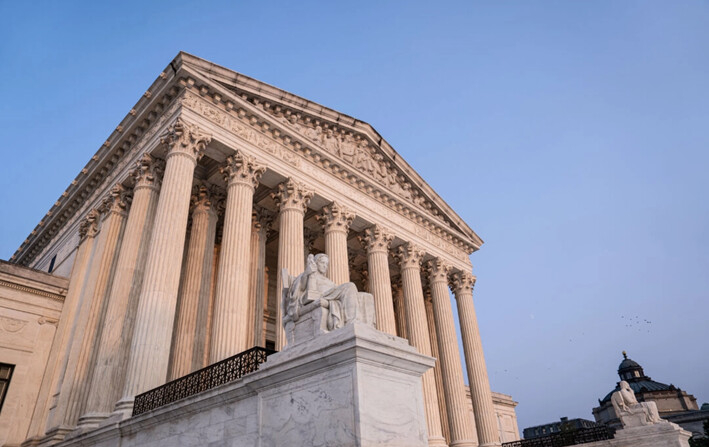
(461, 430)
(397, 293)
(75, 388)
(150, 347)
(193, 302)
(261, 222)
(377, 242)
(336, 220)
(430, 319)
(417, 328)
(485, 420)
(58, 356)
(292, 199)
(107, 383)
(230, 322)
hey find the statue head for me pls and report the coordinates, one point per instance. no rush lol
(322, 261)
(624, 385)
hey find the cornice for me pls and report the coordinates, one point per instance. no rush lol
(133, 129)
(252, 123)
(277, 101)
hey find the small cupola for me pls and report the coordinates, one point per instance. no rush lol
(630, 369)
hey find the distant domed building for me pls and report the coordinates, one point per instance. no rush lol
(673, 403)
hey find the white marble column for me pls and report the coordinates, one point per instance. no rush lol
(150, 347)
(230, 322)
(397, 293)
(80, 369)
(410, 258)
(292, 199)
(440, 390)
(461, 430)
(193, 302)
(336, 220)
(377, 241)
(59, 354)
(116, 334)
(485, 420)
(261, 220)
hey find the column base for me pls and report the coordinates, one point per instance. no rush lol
(491, 444)
(463, 443)
(90, 421)
(123, 409)
(31, 442)
(55, 435)
(437, 442)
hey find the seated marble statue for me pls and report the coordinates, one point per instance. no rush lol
(631, 412)
(343, 302)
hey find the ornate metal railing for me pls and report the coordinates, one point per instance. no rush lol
(205, 379)
(571, 437)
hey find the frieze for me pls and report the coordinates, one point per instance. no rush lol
(394, 210)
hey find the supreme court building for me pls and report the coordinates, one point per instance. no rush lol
(164, 256)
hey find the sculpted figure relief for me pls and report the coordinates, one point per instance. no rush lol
(312, 290)
(631, 412)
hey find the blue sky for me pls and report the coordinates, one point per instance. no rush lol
(571, 136)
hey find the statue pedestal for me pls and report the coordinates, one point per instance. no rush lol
(354, 386)
(662, 434)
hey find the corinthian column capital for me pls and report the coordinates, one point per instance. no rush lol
(242, 169)
(89, 225)
(376, 239)
(204, 199)
(462, 283)
(336, 217)
(116, 201)
(186, 139)
(292, 195)
(148, 172)
(438, 271)
(409, 256)
(261, 219)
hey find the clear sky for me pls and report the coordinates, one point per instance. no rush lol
(572, 136)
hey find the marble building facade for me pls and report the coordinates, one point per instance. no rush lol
(214, 181)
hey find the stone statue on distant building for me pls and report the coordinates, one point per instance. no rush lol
(332, 306)
(631, 412)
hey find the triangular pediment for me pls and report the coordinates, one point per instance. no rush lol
(352, 142)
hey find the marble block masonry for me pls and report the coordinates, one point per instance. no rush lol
(180, 234)
(345, 384)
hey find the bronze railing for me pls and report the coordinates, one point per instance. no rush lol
(571, 437)
(205, 379)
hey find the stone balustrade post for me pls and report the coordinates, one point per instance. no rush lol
(461, 430)
(116, 334)
(193, 304)
(292, 199)
(410, 258)
(377, 241)
(485, 419)
(336, 220)
(150, 348)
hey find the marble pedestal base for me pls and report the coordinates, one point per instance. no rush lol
(354, 386)
(663, 434)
